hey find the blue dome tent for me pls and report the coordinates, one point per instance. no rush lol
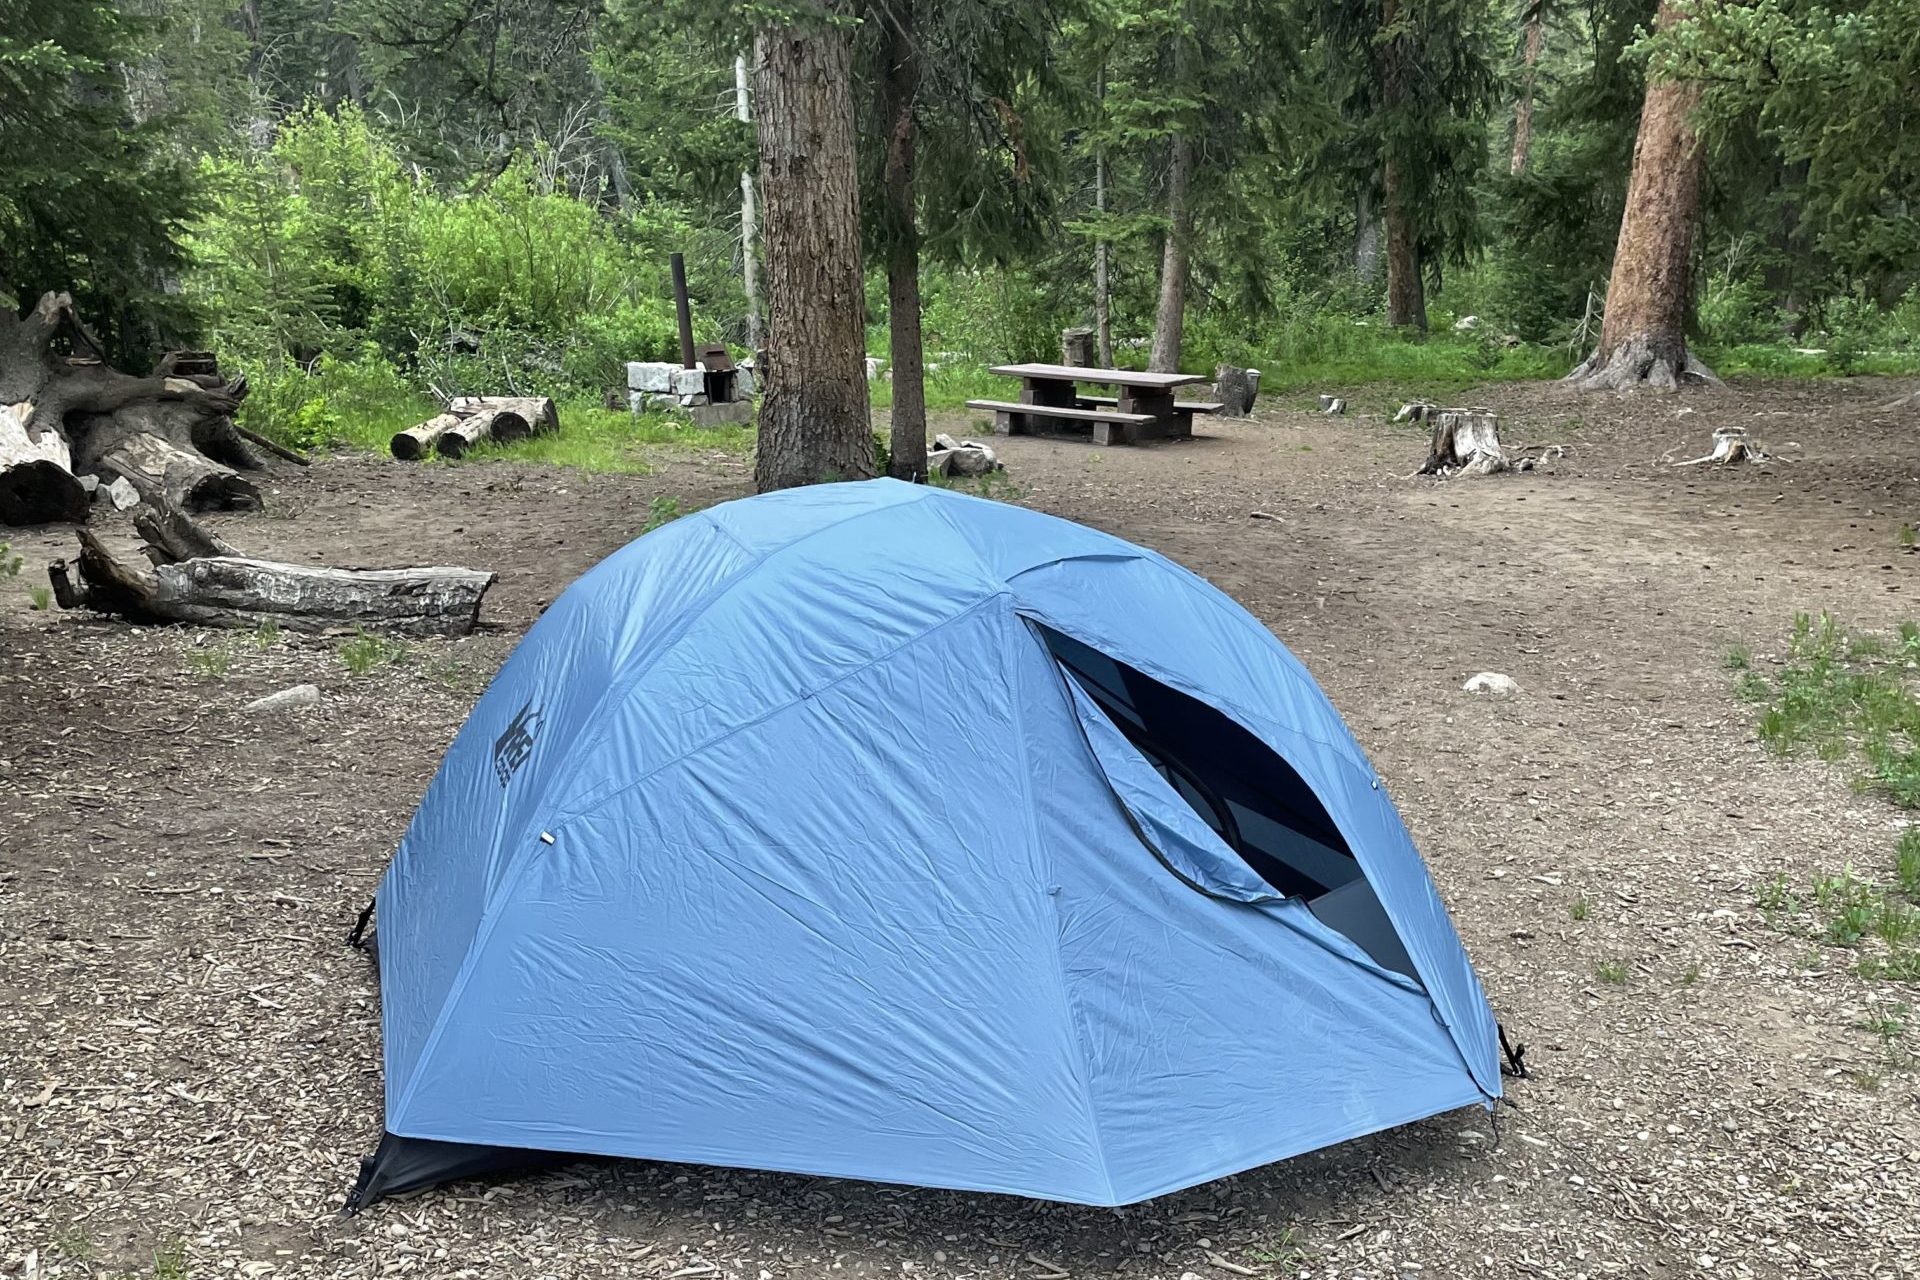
(881, 832)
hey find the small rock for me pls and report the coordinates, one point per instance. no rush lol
(120, 495)
(1466, 324)
(1492, 682)
(297, 698)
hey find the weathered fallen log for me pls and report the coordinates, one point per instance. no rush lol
(37, 483)
(190, 481)
(225, 589)
(501, 419)
(472, 419)
(61, 414)
(416, 442)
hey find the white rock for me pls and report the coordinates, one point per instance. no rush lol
(650, 375)
(689, 382)
(121, 494)
(1466, 324)
(1492, 682)
(744, 385)
(873, 368)
(297, 698)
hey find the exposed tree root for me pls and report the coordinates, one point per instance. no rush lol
(1639, 362)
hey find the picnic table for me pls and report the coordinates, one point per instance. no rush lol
(1051, 400)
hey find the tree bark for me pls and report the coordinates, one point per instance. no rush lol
(1534, 40)
(907, 446)
(1366, 233)
(814, 423)
(417, 442)
(37, 484)
(1102, 247)
(1169, 324)
(156, 467)
(749, 216)
(1643, 338)
(1406, 292)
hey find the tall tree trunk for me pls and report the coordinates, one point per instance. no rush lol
(749, 217)
(1170, 323)
(1102, 247)
(907, 444)
(814, 423)
(1406, 294)
(1366, 233)
(1535, 40)
(1643, 339)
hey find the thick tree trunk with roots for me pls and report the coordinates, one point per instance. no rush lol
(907, 441)
(1643, 341)
(67, 415)
(814, 422)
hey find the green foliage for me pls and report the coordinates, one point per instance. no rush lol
(366, 652)
(9, 562)
(93, 194)
(1845, 694)
(661, 510)
(1611, 972)
(40, 599)
(211, 663)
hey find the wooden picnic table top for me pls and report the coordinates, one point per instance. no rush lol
(1084, 373)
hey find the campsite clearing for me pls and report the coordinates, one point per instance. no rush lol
(190, 1057)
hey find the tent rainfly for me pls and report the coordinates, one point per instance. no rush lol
(878, 831)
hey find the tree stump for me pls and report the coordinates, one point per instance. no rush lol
(1730, 445)
(1235, 389)
(1076, 348)
(1465, 440)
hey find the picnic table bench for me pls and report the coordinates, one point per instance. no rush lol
(1050, 400)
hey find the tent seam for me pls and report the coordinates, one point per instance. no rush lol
(617, 693)
(807, 696)
(511, 879)
(1053, 915)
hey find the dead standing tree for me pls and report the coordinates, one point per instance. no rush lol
(64, 415)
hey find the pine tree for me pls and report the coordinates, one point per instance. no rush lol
(93, 197)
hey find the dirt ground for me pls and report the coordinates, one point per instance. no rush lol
(190, 1057)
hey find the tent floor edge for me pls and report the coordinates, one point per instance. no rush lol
(401, 1165)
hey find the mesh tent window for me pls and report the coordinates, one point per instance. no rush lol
(1243, 789)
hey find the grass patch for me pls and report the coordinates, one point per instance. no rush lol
(366, 651)
(661, 510)
(210, 664)
(170, 1261)
(1581, 909)
(1611, 972)
(594, 438)
(1845, 694)
(39, 599)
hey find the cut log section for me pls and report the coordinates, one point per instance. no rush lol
(225, 589)
(1465, 440)
(37, 483)
(188, 481)
(416, 443)
(469, 420)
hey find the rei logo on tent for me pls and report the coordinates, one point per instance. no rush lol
(511, 749)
